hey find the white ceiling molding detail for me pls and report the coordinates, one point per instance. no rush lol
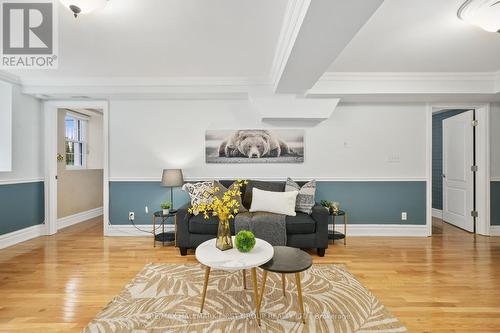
(408, 86)
(293, 111)
(144, 88)
(313, 35)
(294, 16)
(10, 78)
(497, 81)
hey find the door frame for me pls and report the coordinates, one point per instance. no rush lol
(50, 143)
(482, 161)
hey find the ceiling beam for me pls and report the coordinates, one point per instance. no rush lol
(314, 33)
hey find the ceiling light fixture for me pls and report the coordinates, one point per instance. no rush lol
(482, 13)
(83, 6)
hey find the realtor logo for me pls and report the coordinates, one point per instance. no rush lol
(28, 34)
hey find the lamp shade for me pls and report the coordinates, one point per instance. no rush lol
(172, 178)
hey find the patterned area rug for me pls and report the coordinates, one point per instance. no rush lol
(166, 298)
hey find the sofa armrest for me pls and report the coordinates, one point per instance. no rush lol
(321, 216)
(182, 228)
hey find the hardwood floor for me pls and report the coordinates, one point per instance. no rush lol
(447, 283)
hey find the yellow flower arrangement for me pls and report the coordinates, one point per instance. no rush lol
(225, 207)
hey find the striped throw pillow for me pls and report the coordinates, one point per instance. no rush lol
(305, 199)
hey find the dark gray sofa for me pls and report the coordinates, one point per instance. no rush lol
(303, 230)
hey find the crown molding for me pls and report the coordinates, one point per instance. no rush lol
(10, 78)
(144, 87)
(334, 84)
(294, 16)
(408, 87)
(183, 81)
(497, 81)
(345, 85)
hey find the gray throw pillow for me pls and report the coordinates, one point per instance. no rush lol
(305, 199)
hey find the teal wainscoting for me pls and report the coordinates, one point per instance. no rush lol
(127, 197)
(368, 202)
(21, 206)
(495, 203)
(378, 202)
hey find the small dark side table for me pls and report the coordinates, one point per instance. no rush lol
(163, 237)
(287, 260)
(335, 235)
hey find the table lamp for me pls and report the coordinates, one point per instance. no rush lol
(172, 178)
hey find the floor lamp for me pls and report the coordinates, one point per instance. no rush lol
(172, 178)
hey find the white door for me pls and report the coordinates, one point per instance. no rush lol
(458, 180)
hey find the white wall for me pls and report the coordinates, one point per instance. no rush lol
(356, 142)
(495, 141)
(5, 126)
(95, 145)
(27, 139)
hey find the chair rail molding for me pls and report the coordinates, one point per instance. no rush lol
(298, 178)
(21, 180)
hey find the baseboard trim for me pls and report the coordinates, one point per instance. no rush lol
(18, 236)
(128, 230)
(495, 230)
(67, 221)
(383, 230)
(388, 230)
(437, 213)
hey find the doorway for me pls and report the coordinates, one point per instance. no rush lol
(80, 151)
(459, 169)
(453, 161)
(76, 181)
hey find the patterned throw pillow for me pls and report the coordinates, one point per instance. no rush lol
(305, 199)
(223, 189)
(199, 193)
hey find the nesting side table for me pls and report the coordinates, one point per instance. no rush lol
(335, 235)
(168, 236)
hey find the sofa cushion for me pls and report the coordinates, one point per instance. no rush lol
(199, 225)
(302, 223)
(261, 185)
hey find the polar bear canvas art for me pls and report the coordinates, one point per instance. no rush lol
(254, 146)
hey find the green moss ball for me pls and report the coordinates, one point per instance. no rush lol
(245, 241)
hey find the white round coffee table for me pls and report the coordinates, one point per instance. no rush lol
(211, 257)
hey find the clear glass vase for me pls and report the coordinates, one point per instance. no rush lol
(224, 240)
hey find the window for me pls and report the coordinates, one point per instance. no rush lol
(76, 141)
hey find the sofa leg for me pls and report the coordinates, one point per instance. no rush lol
(183, 251)
(321, 252)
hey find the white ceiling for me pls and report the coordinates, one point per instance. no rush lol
(169, 38)
(420, 36)
(238, 38)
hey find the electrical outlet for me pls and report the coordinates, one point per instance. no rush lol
(131, 216)
(404, 216)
